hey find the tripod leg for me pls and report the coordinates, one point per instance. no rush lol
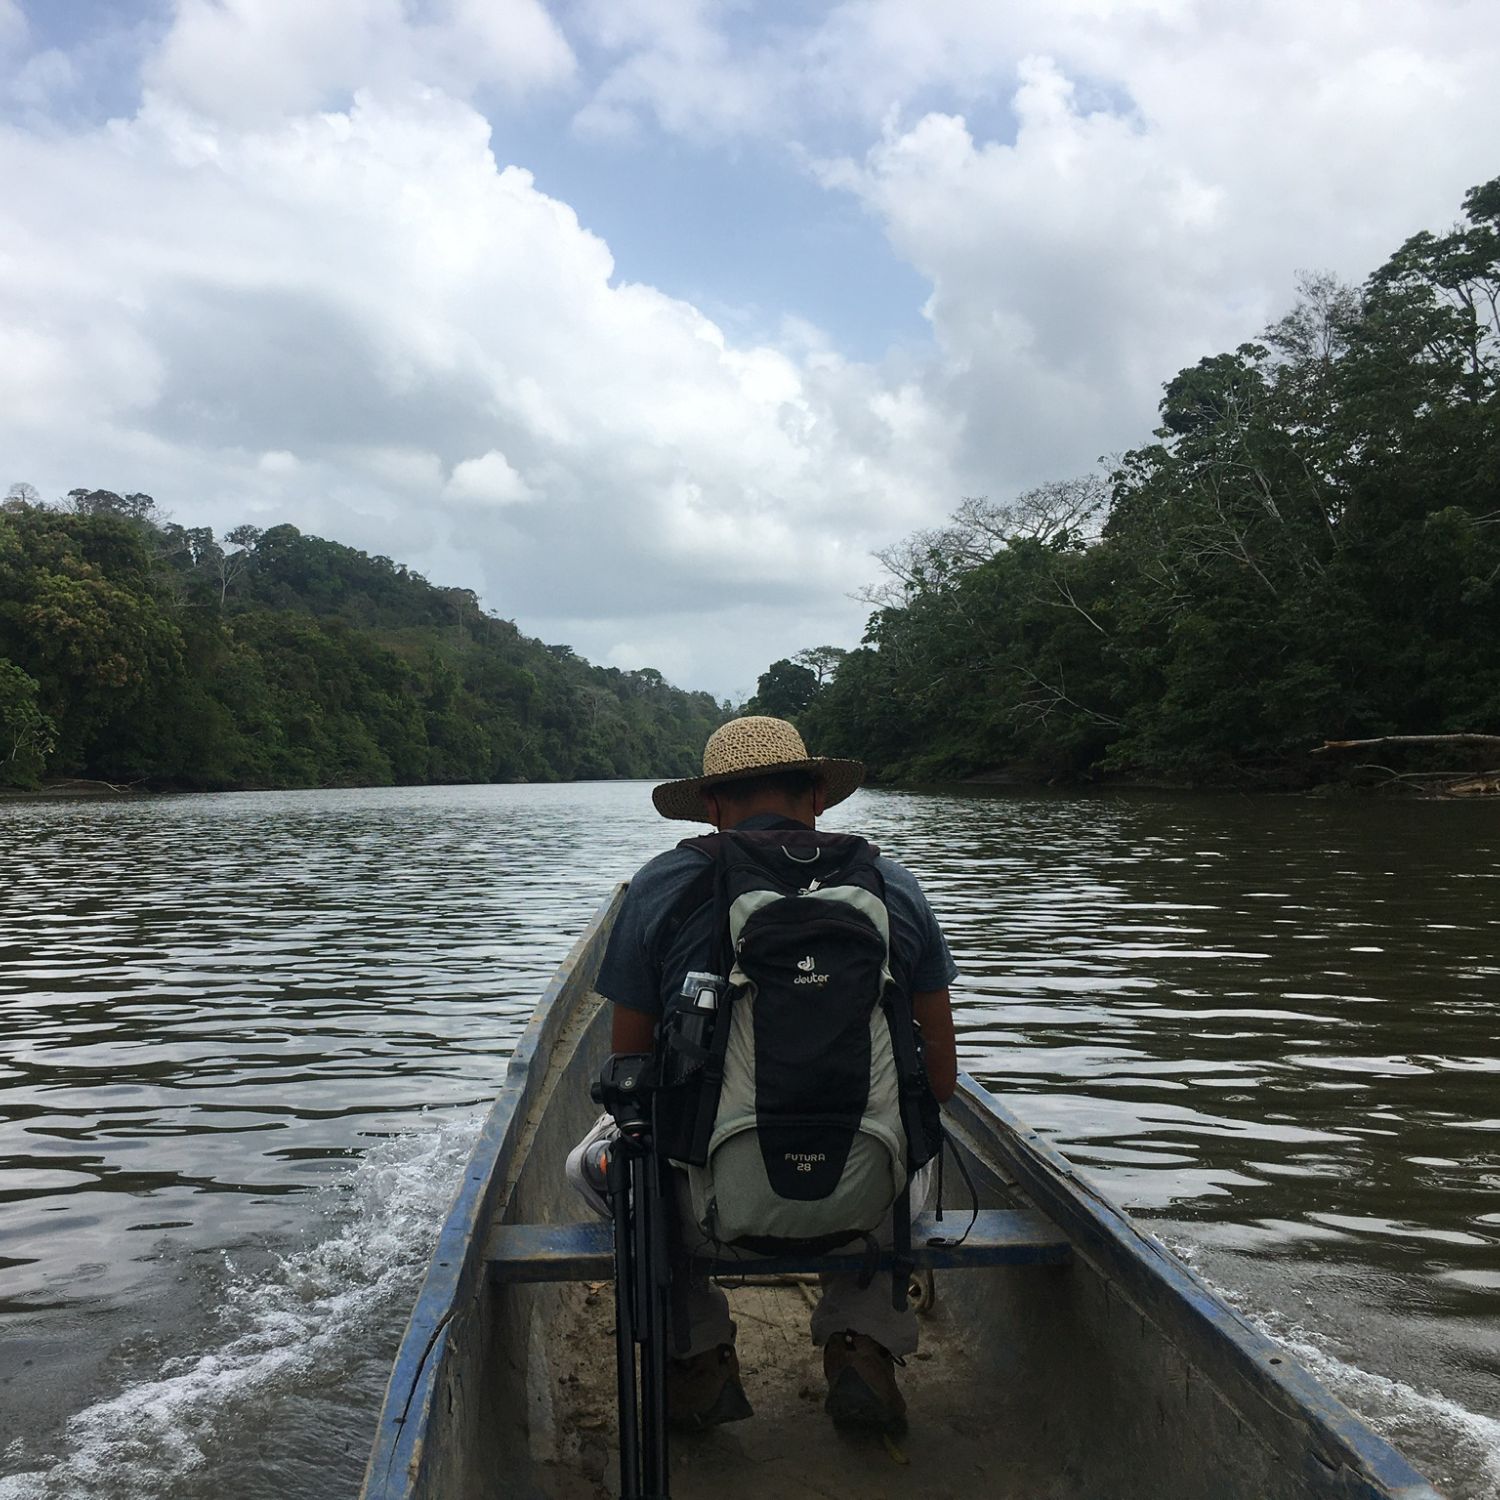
(655, 1280)
(620, 1173)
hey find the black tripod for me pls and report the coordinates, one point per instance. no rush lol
(643, 1277)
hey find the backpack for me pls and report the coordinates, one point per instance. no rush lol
(802, 1116)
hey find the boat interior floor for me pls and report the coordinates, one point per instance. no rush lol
(958, 1441)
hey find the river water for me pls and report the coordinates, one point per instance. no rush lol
(245, 1042)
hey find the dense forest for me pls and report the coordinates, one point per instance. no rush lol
(1309, 549)
(134, 650)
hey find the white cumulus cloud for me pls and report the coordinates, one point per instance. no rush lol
(252, 59)
(488, 480)
(1117, 234)
(361, 321)
(293, 280)
(1109, 189)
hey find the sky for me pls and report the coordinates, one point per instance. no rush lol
(651, 321)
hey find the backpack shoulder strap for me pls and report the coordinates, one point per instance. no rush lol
(705, 886)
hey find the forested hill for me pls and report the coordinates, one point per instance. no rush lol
(1309, 549)
(135, 650)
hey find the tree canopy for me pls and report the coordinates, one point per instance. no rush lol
(1308, 548)
(133, 649)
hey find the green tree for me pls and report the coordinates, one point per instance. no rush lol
(1309, 547)
(821, 661)
(783, 690)
(154, 652)
(27, 735)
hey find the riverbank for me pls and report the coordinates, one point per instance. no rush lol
(84, 787)
(70, 788)
(1359, 781)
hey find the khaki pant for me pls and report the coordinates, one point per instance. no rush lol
(844, 1305)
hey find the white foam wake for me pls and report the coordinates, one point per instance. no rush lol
(1459, 1449)
(280, 1330)
(1429, 1428)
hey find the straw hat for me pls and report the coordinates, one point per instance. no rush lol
(753, 746)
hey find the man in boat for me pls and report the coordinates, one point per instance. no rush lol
(757, 775)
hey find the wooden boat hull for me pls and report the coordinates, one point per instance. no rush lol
(1117, 1374)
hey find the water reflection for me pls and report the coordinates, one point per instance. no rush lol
(1269, 1025)
(1300, 971)
(222, 995)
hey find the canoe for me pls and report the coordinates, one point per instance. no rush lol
(1065, 1353)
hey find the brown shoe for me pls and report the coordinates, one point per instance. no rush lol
(705, 1390)
(862, 1390)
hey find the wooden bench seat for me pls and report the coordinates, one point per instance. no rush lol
(585, 1251)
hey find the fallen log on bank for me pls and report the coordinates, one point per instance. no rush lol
(1409, 739)
(1486, 784)
(1466, 783)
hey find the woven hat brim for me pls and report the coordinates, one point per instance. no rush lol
(680, 799)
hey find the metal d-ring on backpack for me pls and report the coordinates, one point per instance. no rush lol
(804, 1112)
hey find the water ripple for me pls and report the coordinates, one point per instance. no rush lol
(1269, 1025)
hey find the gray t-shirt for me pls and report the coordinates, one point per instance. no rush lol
(647, 958)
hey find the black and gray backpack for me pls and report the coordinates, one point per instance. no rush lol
(802, 1116)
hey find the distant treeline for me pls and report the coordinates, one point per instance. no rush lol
(1309, 550)
(136, 650)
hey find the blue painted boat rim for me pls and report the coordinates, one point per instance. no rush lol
(457, 1259)
(1249, 1370)
(1209, 1332)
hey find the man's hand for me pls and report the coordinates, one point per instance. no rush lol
(933, 1012)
